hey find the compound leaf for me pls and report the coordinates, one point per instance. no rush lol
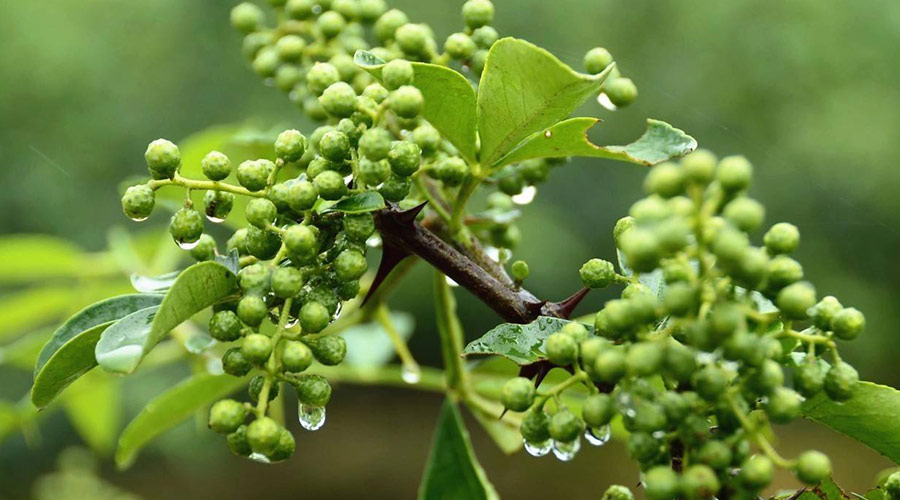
(523, 344)
(123, 345)
(170, 408)
(660, 142)
(452, 470)
(869, 416)
(449, 100)
(525, 89)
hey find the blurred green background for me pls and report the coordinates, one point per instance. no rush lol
(806, 89)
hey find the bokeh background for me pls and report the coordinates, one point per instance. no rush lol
(806, 89)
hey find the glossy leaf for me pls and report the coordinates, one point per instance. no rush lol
(122, 347)
(368, 345)
(523, 344)
(525, 89)
(153, 284)
(449, 100)
(94, 407)
(869, 416)
(660, 142)
(72, 360)
(452, 470)
(169, 409)
(367, 201)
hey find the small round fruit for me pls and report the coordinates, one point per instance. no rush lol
(186, 226)
(535, 427)
(597, 273)
(621, 91)
(397, 73)
(253, 175)
(261, 212)
(329, 350)
(225, 326)
(256, 348)
(350, 265)
(840, 381)
(216, 166)
(138, 202)
(783, 405)
(339, 100)
(406, 101)
(301, 239)
(246, 17)
(734, 173)
(848, 324)
(782, 238)
(237, 442)
(699, 482)
(565, 426)
(598, 410)
(330, 185)
(234, 363)
(287, 282)
(263, 435)
(477, 13)
(252, 310)
(596, 60)
(290, 145)
(314, 317)
(404, 158)
(756, 472)
(313, 390)
(561, 349)
(813, 467)
(296, 356)
(517, 394)
(163, 159)
(661, 483)
(795, 300)
(226, 416)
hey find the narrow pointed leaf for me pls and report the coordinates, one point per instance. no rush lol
(121, 348)
(525, 89)
(660, 142)
(72, 360)
(169, 409)
(523, 344)
(359, 203)
(452, 470)
(449, 100)
(870, 417)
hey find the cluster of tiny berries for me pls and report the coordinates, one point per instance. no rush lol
(712, 340)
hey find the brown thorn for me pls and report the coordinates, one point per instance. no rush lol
(564, 308)
(391, 256)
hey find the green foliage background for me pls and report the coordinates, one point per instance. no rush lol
(806, 89)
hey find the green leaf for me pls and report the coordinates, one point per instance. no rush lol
(660, 142)
(154, 284)
(453, 471)
(869, 416)
(525, 89)
(523, 344)
(93, 405)
(367, 201)
(449, 100)
(170, 408)
(121, 348)
(38, 257)
(70, 361)
(102, 312)
(368, 344)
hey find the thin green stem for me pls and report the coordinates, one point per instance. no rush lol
(764, 445)
(204, 185)
(462, 198)
(384, 319)
(274, 363)
(451, 335)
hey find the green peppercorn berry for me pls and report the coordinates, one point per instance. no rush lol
(255, 278)
(783, 271)
(715, 454)
(404, 157)
(263, 435)
(290, 48)
(311, 107)
(246, 17)
(453, 170)
(256, 347)
(238, 241)
(375, 144)
(840, 381)
(519, 271)
(561, 349)
(644, 358)
(370, 10)
(225, 326)
(651, 209)
(680, 362)
(745, 213)
(427, 138)
(848, 323)
(321, 76)
(809, 378)
(813, 467)
(376, 92)
(254, 42)
(734, 173)
(892, 486)
(234, 363)
(287, 76)
(621, 91)
(484, 37)
(261, 212)
(710, 382)
(252, 310)
(510, 184)
(751, 270)
(287, 282)
(397, 73)
(350, 265)
(314, 317)
(296, 356)
(237, 442)
(729, 245)
(796, 299)
(597, 273)
(406, 101)
(261, 243)
(138, 201)
(766, 378)
(373, 173)
(253, 175)
(597, 410)
(386, 26)
(661, 483)
(313, 390)
(339, 99)
(824, 312)
(783, 405)
(517, 394)
(163, 159)
(756, 472)
(226, 416)
(460, 46)
(782, 238)
(329, 350)
(609, 365)
(413, 39)
(256, 386)
(216, 166)
(335, 146)
(186, 227)
(358, 227)
(301, 239)
(535, 427)
(477, 13)
(665, 179)
(565, 426)
(290, 145)
(331, 24)
(642, 249)
(643, 447)
(285, 447)
(680, 299)
(302, 195)
(330, 185)
(699, 482)
(395, 188)
(596, 60)
(266, 62)
(699, 166)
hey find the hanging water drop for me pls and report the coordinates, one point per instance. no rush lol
(526, 196)
(604, 101)
(187, 245)
(597, 436)
(548, 134)
(337, 311)
(450, 281)
(312, 418)
(123, 359)
(566, 451)
(539, 449)
(291, 322)
(411, 374)
(259, 457)
(374, 241)
(139, 219)
(214, 366)
(214, 219)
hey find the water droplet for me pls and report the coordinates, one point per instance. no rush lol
(294, 96)
(337, 311)
(493, 253)
(123, 359)
(604, 101)
(259, 457)
(548, 134)
(538, 449)
(526, 196)
(598, 436)
(348, 178)
(450, 281)
(466, 68)
(187, 245)
(411, 374)
(374, 241)
(566, 451)
(139, 219)
(269, 82)
(292, 322)
(214, 219)
(317, 9)
(199, 342)
(658, 434)
(312, 418)
(214, 366)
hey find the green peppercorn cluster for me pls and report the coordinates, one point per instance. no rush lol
(618, 90)
(712, 341)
